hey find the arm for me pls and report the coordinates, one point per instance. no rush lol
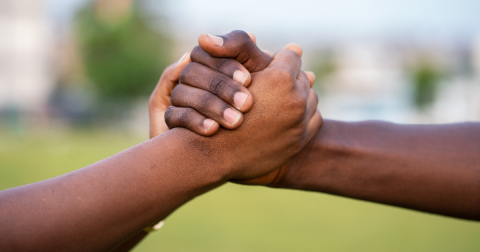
(98, 207)
(160, 101)
(158, 104)
(431, 168)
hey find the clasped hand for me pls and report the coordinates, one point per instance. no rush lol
(265, 106)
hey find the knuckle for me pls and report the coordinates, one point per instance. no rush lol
(184, 73)
(291, 53)
(206, 101)
(220, 64)
(196, 53)
(241, 36)
(183, 116)
(298, 104)
(176, 95)
(170, 117)
(217, 84)
(187, 71)
(286, 76)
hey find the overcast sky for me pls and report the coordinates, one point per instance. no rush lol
(313, 18)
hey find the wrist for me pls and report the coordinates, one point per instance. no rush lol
(318, 161)
(195, 169)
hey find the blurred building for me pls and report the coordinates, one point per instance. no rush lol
(372, 80)
(368, 83)
(459, 97)
(27, 74)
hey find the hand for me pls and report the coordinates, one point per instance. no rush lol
(282, 121)
(160, 98)
(215, 95)
(234, 45)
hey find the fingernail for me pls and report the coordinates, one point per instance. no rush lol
(240, 76)
(232, 116)
(240, 98)
(216, 41)
(208, 123)
(183, 57)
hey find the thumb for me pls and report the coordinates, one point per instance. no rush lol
(237, 45)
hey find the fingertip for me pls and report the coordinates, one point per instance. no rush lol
(233, 118)
(210, 127)
(205, 43)
(179, 66)
(294, 47)
(241, 76)
(267, 52)
(184, 60)
(248, 81)
(252, 37)
(245, 102)
(311, 77)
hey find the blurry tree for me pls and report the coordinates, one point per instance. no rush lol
(323, 65)
(123, 55)
(425, 78)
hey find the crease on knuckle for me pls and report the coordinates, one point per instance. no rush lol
(217, 85)
(205, 102)
(183, 116)
(220, 64)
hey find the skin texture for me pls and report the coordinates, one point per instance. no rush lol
(237, 45)
(98, 207)
(430, 168)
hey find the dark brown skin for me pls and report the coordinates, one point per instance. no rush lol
(98, 207)
(430, 168)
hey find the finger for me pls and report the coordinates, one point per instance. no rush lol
(294, 47)
(237, 45)
(190, 119)
(287, 61)
(311, 77)
(229, 67)
(232, 92)
(312, 112)
(160, 98)
(312, 103)
(267, 52)
(252, 37)
(207, 104)
(315, 123)
(180, 64)
(302, 78)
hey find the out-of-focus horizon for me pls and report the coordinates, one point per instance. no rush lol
(402, 61)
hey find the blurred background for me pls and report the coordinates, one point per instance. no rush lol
(75, 76)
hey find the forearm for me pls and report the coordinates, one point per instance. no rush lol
(97, 207)
(433, 168)
(131, 242)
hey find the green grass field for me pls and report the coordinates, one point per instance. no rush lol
(240, 218)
